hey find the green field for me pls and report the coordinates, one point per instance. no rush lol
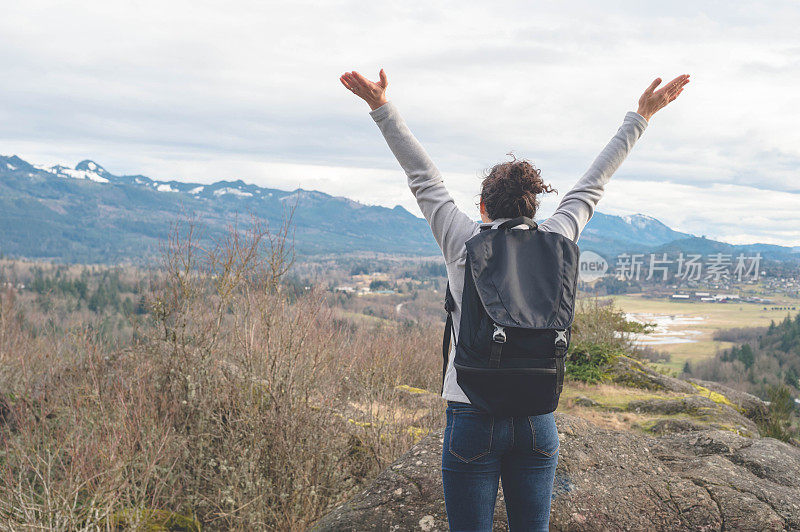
(715, 316)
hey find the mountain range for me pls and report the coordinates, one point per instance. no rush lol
(87, 214)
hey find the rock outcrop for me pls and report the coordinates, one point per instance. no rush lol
(749, 405)
(610, 480)
(630, 372)
(702, 410)
(697, 404)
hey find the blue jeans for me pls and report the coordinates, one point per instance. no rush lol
(479, 450)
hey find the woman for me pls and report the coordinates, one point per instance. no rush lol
(480, 449)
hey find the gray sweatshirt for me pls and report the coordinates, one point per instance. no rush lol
(452, 227)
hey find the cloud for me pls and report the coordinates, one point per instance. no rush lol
(202, 91)
(731, 213)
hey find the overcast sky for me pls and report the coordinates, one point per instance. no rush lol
(202, 91)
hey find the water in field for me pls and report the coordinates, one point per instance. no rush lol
(669, 328)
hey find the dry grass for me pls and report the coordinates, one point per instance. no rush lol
(240, 406)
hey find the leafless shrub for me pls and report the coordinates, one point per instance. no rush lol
(599, 321)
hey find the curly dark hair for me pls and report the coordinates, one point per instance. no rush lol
(511, 189)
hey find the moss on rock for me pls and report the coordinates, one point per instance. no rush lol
(153, 521)
(716, 397)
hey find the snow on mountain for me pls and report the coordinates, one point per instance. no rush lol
(91, 166)
(92, 171)
(229, 190)
(640, 221)
(301, 194)
(73, 173)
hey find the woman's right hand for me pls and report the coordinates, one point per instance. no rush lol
(650, 102)
(372, 93)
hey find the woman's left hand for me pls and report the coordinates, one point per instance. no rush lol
(652, 100)
(372, 93)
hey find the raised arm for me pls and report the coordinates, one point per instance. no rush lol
(577, 206)
(451, 227)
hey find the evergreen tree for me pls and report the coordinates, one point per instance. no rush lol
(791, 378)
(127, 306)
(141, 305)
(747, 356)
(781, 406)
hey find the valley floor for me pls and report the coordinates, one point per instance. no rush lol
(687, 328)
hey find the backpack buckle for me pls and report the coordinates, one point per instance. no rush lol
(561, 337)
(499, 334)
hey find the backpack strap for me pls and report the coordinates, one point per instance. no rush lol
(498, 339)
(561, 357)
(449, 332)
(508, 224)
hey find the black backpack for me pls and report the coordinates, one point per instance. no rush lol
(516, 317)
